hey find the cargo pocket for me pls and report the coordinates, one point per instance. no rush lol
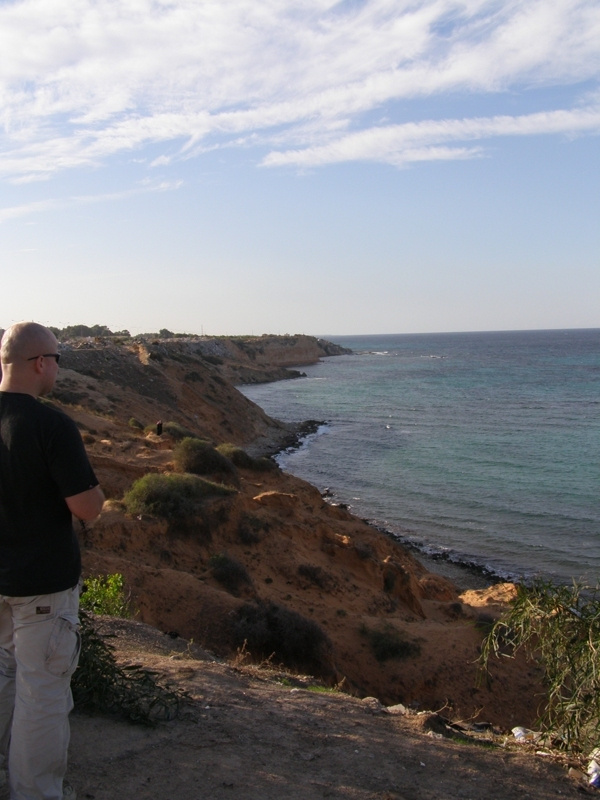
(64, 647)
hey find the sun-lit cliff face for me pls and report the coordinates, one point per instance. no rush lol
(385, 626)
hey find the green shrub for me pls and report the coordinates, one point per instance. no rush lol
(236, 455)
(176, 431)
(241, 459)
(105, 594)
(100, 684)
(200, 458)
(387, 643)
(559, 627)
(135, 424)
(229, 572)
(171, 496)
(268, 630)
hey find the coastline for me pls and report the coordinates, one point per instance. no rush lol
(457, 478)
(464, 576)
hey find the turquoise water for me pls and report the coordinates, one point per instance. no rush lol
(481, 447)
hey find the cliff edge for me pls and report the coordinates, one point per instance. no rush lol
(309, 585)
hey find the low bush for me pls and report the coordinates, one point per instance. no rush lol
(229, 572)
(171, 496)
(250, 529)
(315, 575)
(267, 630)
(105, 594)
(236, 455)
(99, 684)
(559, 628)
(387, 642)
(264, 464)
(241, 459)
(200, 458)
(135, 424)
(176, 431)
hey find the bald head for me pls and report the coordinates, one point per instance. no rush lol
(25, 340)
(24, 368)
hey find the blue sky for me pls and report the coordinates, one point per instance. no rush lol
(300, 166)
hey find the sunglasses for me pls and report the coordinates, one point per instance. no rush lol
(46, 355)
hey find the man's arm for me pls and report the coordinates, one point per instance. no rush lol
(86, 505)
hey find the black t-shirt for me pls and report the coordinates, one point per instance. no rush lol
(42, 461)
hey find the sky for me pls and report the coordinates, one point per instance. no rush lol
(300, 166)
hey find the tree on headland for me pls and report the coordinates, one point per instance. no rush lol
(82, 331)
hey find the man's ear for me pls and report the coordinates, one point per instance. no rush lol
(38, 365)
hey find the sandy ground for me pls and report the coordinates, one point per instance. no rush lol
(254, 734)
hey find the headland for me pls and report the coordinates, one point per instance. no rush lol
(308, 589)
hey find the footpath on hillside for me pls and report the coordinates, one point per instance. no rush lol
(253, 734)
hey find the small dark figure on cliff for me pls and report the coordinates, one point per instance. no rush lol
(159, 428)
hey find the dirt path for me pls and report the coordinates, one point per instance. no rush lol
(251, 738)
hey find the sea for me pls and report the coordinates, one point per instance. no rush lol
(477, 449)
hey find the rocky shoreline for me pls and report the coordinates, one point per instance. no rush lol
(294, 553)
(384, 709)
(464, 576)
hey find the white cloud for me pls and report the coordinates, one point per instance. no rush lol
(59, 203)
(81, 80)
(398, 144)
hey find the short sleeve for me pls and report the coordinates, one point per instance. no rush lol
(67, 459)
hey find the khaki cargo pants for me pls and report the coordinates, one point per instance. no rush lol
(39, 650)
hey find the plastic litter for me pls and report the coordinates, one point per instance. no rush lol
(524, 734)
(593, 769)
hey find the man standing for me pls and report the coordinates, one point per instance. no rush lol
(45, 478)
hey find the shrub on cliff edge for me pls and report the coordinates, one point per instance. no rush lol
(268, 630)
(171, 496)
(229, 572)
(559, 627)
(236, 455)
(201, 458)
(387, 642)
(240, 458)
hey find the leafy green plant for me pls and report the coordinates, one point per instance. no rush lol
(559, 627)
(99, 684)
(200, 458)
(171, 496)
(105, 594)
(135, 424)
(387, 642)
